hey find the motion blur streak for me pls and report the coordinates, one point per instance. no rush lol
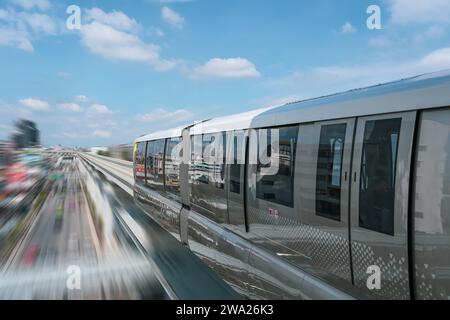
(58, 226)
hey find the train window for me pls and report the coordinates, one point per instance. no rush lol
(196, 158)
(214, 158)
(203, 168)
(155, 164)
(329, 169)
(378, 167)
(172, 165)
(208, 159)
(139, 162)
(276, 162)
(236, 162)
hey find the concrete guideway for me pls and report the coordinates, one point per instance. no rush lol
(177, 266)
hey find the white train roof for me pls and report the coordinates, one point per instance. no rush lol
(238, 121)
(169, 133)
(226, 123)
(420, 92)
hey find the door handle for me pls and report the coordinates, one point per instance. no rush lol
(354, 177)
(345, 176)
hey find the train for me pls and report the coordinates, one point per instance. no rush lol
(344, 196)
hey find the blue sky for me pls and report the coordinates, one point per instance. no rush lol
(144, 65)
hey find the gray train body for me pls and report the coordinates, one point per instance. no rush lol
(359, 206)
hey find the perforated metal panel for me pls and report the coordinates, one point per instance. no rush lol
(393, 267)
(323, 253)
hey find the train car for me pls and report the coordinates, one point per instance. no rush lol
(339, 197)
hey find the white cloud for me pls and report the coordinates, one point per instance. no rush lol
(226, 68)
(20, 27)
(436, 60)
(172, 17)
(73, 107)
(102, 133)
(326, 80)
(15, 38)
(153, 31)
(32, 4)
(432, 32)
(115, 19)
(419, 11)
(40, 23)
(348, 28)
(37, 23)
(113, 44)
(35, 104)
(162, 115)
(99, 109)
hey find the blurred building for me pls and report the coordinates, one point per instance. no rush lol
(5, 153)
(98, 150)
(122, 151)
(6, 159)
(26, 134)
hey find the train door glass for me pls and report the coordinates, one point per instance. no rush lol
(323, 176)
(379, 203)
(235, 177)
(172, 166)
(432, 206)
(207, 173)
(329, 171)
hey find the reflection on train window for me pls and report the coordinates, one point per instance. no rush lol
(196, 158)
(139, 162)
(155, 164)
(207, 175)
(172, 165)
(208, 159)
(213, 167)
(276, 162)
(202, 167)
(378, 167)
(329, 171)
(238, 161)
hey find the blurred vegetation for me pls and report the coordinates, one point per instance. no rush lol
(125, 155)
(25, 222)
(104, 153)
(40, 199)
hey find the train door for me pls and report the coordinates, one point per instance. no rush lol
(323, 171)
(236, 152)
(379, 204)
(432, 206)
